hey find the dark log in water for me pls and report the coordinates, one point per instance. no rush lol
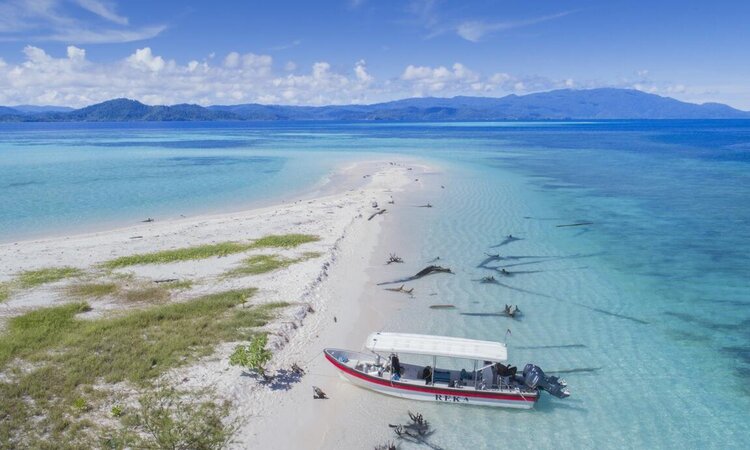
(442, 307)
(507, 241)
(422, 273)
(401, 289)
(578, 224)
(488, 314)
(430, 270)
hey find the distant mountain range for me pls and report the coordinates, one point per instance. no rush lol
(565, 104)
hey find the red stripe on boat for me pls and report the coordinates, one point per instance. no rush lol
(409, 387)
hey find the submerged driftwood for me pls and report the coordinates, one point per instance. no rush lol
(510, 238)
(488, 280)
(379, 212)
(430, 270)
(386, 446)
(417, 431)
(401, 289)
(578, 224)
(442, 307)
(511, 311)
(422, 273)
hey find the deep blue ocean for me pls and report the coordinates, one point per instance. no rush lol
(645, 311)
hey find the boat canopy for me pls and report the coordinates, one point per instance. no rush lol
(424, 344)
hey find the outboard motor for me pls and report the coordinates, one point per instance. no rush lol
(534, 377)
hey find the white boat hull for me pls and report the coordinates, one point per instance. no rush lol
(431, 393)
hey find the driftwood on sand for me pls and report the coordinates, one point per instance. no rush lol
(297, 369)
(377, 213)
(401, 289)
(393, 258)
(166, 280)
(318, 393)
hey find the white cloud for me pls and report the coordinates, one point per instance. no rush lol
(290, 66)
(145, 60)
(105, 10)
(360, 70)
(475, 30)
(232, 60)
(58, 21)
(80, 36)
(287, 46)
(432, 80)
(75, 53)
(71, 79)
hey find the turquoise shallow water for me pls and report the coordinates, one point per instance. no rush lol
(644, 312)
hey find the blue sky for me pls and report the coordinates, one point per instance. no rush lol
(76, 52)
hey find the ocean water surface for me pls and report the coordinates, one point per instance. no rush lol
(644, 310)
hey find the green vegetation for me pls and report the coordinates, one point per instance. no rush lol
(168, 419)
(34, 278)
(254, 356)
(80, 404)
(179, 285)
(65, 356)
(258, 264)
(92, 290)
(284, 240)
(117, 411)
(180, 254)
(210, 250)
(145, 294)
(4, 291)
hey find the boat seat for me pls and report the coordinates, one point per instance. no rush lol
(466, 375)
(441, 376)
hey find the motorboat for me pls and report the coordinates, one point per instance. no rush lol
(488, 382)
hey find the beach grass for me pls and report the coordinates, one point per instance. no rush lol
(210, 250)
(259, 264)
(180, 254)
(145, 294)
(92, 290)
(38, 277)
(64, 356)
(284, 240)
(4, 291)
(179, 285)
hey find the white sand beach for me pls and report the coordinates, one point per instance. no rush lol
(331, 296)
